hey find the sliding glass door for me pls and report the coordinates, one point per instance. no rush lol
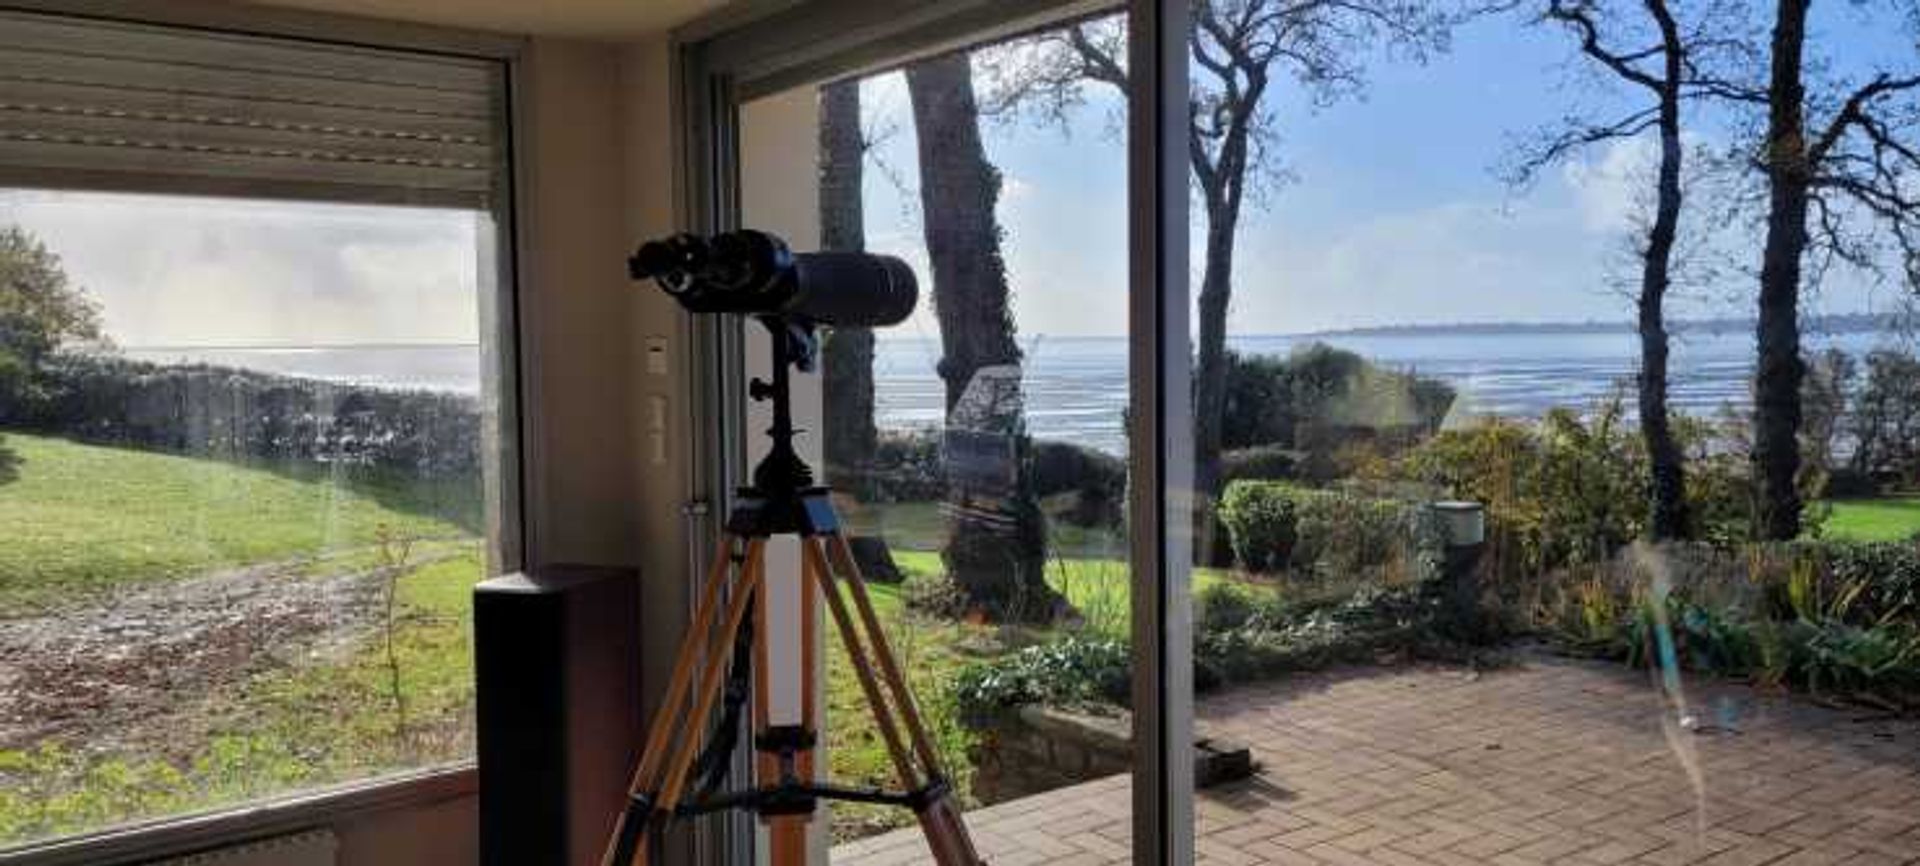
(1003, 460)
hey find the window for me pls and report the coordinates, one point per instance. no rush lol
(1461, 415)
(249, 444)
(978, 450)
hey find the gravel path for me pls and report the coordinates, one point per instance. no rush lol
(95, 671)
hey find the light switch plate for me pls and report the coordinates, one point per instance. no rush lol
(656, 356)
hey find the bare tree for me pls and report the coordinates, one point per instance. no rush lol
(996, 540)
(1837, 187)
(1240, 48)
(1644, 45)
(846, 353)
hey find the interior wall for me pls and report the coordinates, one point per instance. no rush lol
(579, 357)
(656, 326)
(445, 832)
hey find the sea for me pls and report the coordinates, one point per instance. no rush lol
(1076, 387)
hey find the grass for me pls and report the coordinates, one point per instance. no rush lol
(329, 721)
(1894, 518)
(85, 519)
(929, 651)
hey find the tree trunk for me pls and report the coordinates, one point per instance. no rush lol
(996, 539)
(1667, 511)
(1210, 371)
(1776, 386)
(847, 353)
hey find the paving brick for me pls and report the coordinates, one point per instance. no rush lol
(1552, 761)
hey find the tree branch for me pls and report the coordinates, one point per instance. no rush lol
(1853, 112)
(1579, 19)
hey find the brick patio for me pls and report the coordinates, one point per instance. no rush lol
(1552, 761)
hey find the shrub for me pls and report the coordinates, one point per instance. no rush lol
(1887, 572)
(1071, 670)
(906, 467)
(1330, 533)
(1830, 617)
(1344, 534)
(1262, 521)
(934, 594)
(243, 414)
(1259, 463)
(1316, 394)
(1097, 480)
(1220, 606)
(1239, 640)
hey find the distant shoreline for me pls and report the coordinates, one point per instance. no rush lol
(1850, 323)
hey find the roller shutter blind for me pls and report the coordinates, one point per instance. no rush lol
(94, 104)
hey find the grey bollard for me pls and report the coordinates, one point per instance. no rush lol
(1464, 526)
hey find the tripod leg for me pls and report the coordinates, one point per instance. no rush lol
(842, 554)
(787, 834)
(663, 725)
(752, 578)
(856, 653)
(632, 830)
(940, 821)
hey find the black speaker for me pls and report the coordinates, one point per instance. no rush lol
(557, 669)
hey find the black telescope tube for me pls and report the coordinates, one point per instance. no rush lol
(858, 290)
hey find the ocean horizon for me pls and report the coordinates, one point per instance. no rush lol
(1076, 387)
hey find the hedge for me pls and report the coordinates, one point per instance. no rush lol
(244, 414)
(1275, 526)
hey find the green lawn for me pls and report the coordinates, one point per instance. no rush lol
(298, 727)
(84, 518)
(929, 650)
(1894, 518)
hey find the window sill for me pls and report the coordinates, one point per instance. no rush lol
(324, 808)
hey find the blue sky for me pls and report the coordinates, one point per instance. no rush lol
(1394, 214)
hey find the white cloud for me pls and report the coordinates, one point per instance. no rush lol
(1610, 190)
(188, 271)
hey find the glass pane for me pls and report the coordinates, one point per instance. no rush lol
(978, 450)
(241, 469)
(1470, 600)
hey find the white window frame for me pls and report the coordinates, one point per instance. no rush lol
(426, 787)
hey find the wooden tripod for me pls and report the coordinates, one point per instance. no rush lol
(783, 792)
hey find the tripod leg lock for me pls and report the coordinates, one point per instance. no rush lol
(786, 739)
(633, 828)
(922, 798)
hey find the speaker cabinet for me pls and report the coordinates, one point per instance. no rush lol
(557, 668)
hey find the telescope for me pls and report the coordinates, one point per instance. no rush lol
(754, 274)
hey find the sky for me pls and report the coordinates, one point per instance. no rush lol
(1393, 213)
(1392, 216)
(171, 271)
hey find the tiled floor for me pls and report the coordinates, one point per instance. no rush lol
(1551, 761)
